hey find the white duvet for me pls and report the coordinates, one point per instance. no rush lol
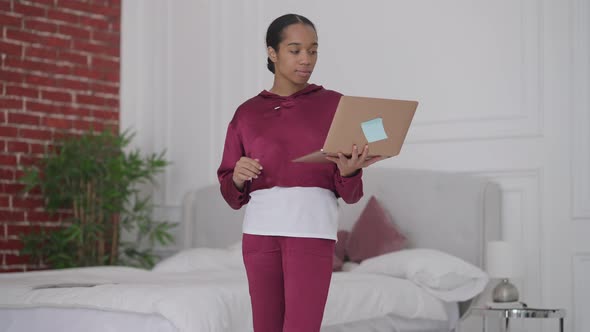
(213, 298)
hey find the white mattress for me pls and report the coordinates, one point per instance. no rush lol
(79, 319)
(44, 319)
(201, 301)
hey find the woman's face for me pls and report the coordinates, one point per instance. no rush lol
(297, 54)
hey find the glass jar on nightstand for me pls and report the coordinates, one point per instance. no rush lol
(506, 314)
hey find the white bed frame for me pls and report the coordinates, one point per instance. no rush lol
(456, 213)
(452, 212)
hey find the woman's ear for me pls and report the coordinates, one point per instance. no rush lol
(272, 54)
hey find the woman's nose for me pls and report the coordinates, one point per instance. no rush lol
(305, 58)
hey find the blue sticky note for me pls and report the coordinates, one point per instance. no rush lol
(373, 130)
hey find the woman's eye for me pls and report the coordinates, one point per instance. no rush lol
(313, 52)
(295, 52)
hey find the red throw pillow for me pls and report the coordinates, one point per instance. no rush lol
(340, 250)
(337, 264)
(373, 234)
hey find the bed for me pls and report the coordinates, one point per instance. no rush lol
(204, 288)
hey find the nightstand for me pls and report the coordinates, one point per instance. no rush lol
(505, 315)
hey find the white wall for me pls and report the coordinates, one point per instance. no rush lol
(503, 85)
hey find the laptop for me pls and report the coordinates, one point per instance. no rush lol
(380, 123)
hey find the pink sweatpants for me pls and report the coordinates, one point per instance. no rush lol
(288, 278)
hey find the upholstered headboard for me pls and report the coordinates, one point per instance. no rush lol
(453, 212)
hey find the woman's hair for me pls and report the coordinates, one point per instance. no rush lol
(274, 34)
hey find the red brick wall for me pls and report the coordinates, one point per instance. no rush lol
(59, 71)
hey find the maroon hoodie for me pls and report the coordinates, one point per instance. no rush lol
(277, 129)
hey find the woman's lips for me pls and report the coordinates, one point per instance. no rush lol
(303, 73)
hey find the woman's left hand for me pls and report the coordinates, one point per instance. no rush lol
(349, 166)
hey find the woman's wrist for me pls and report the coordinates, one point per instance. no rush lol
(238, 185)
(349, 174)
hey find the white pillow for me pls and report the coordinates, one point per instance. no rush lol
(202, 259)
(236, 246)
(349, 266)
(443, 275)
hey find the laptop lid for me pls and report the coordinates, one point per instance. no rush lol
(381, 123)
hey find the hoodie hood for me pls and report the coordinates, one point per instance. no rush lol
(288, 101)
(308, 89)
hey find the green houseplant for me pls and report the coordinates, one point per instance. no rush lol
(97, 180)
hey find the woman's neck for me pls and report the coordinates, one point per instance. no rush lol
(285, 88)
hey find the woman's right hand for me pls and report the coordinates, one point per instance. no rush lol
(246, 169)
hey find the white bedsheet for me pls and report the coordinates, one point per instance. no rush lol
(209, 300)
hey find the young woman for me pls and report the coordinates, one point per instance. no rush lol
(290, 224)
